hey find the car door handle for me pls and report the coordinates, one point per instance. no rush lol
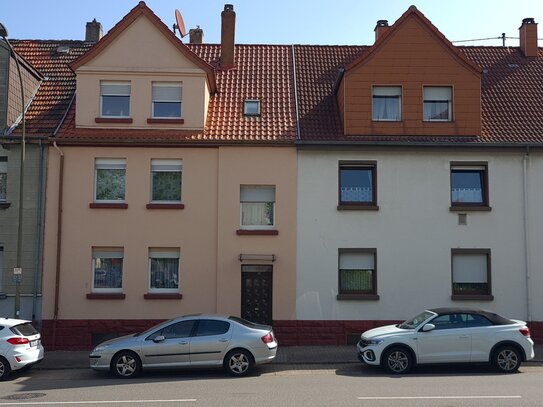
(464, 336)
(223, 340)
(183, 343)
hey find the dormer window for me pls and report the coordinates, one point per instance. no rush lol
(167, 100)
(251, 107)
(115, 99)
(437, 103)
(387, 103)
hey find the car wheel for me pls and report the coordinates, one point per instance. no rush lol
(5, 370)
(126, 365)
(397, 360)
(238, 362)
(507, 359)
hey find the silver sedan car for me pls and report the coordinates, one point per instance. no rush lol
(189, 341)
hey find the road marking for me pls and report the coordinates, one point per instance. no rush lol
(438, 397)
(110, 402)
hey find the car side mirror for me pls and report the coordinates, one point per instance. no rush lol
(428, 327)
(159, 338)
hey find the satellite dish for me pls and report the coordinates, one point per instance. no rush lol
(179, 24)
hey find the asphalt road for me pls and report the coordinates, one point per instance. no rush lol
(315, 385)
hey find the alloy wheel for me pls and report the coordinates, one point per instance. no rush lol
(398, 361)
(126, 365)
(239, 363)
(507, 360)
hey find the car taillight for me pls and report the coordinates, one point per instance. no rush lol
(18, 341)
(268, 338)
(525, 331)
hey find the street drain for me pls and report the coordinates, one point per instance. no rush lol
(24, 396)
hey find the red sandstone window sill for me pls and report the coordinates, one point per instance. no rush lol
(467, 208)
(127, 120)
(99, 205)
(475, 297)
(5, 205)
(257, 232)
(106, 296)
(162, 296)
(358, 297)
(165, 206)
(356, 207)
(165, 121)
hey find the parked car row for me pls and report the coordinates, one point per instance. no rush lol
(440, 335)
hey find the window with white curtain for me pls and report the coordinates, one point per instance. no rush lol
(110, 177)
(257, 206)
(357, 184)
(167, 98)
(437, 103)
(166, 180)
(357, 271)
(469, 184)
(107, 269)
(115, 99)
(387, 103)
(471, 272)
(3, 178)
(164, 270)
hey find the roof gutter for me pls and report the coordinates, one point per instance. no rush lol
(341, 143)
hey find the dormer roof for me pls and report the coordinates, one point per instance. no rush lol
(142, 10)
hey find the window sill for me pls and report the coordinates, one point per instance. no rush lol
(162, 296)
(98, 205)
(165, 121)
(106, 296)
(467, 208)
(257, 232)
(473, 297)
(126, 120)
(358, 297)
(165, 206)
(5, 205)
(357, 207)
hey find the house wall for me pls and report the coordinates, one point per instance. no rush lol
(411, 57)
(161, 61)
(413, 231)
(205, 232)
(30, 286)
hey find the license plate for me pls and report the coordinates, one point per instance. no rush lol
(34, 343)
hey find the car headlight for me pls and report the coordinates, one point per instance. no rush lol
(374, 341)
(100, 349)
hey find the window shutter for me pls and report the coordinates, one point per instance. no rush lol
(110, 164)
(437, 93)
(257, 194)
(164, 253)
(115, 89)
(167, 93)
(387, 91)
(356, 261)
(470, 268)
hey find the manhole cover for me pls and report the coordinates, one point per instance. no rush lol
(24, 396)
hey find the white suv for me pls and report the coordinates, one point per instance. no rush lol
(448, 335)
(20, 346)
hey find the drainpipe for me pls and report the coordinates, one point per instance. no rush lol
(525, 160)
(39, 230)
(59, 241)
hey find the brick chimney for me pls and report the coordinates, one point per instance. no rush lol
(528, 37)
(380, 28)
(228, 29)
(94, 31)
(196, 35)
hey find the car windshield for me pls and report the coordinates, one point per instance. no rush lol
(412, 323)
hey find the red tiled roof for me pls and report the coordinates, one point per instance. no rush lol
(55, 92)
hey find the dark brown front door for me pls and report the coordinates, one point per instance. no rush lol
(256, 294)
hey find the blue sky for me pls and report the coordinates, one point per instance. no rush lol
(348, 22)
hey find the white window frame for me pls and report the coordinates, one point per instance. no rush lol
(437, 98)
(169, 253)
(116, 83)
(256, 227)
(4, 170)
(168, 85)
(387, 90)
(111, 164)
(166, 165)
(247, 111)
(112, 253)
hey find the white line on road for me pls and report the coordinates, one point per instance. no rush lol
(111, 402)
(439, 397)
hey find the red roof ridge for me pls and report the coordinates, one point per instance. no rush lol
(127, 20)
(413, 11)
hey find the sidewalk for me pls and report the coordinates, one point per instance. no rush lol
(298, 355)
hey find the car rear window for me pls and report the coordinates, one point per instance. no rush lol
(243, 321)
(26, 329)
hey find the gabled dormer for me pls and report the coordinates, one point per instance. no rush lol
(140, 75)
(412, 81)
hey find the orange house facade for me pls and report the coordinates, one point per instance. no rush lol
(160, 205)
